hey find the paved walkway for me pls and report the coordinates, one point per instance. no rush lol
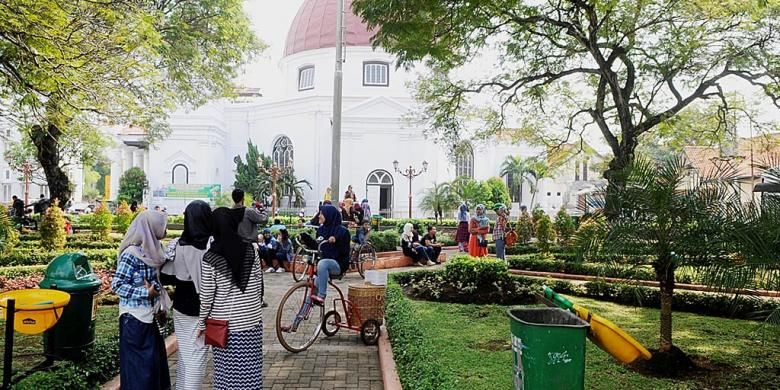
(340, 362)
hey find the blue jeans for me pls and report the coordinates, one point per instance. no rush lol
(500, 248)
(325, 268)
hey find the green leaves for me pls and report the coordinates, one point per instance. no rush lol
(132, 185)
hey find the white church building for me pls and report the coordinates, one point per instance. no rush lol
(196, 160)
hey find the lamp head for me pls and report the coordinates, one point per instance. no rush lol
(395, 165)
(425, 166)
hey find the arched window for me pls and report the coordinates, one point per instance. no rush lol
(180, 174)
(464, 162)
(283, 152)
(379, 192)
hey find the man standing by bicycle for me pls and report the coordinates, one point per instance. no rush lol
(248, 228)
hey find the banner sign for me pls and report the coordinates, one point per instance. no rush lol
(189, 191)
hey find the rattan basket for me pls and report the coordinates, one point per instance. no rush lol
(369, 299)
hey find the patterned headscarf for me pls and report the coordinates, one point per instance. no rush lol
(463, 213)
(480, 215)
(142, 239)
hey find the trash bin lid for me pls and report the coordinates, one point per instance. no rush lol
(70, 272)
(377, 216)
(546, 316)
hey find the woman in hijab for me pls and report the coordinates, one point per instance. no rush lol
(499, 230)
(479, 227)
(462, 235)
(412, 248)
(366, 210)
(143, 362)
(335, 253)
(184, 272)
(231, 290)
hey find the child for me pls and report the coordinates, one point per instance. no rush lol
(362, 233)
(462, 235)
(284, 250)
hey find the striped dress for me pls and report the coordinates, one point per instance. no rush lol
(240, 364)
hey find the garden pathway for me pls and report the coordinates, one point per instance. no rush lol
(339, 362)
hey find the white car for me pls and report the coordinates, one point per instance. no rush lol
(80, 208)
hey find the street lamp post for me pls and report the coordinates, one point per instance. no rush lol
(410, 173)
(27, 169)
(275, 171)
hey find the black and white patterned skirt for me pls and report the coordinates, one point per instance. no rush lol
(240, 365)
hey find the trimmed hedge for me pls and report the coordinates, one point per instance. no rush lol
(385, 241)
(101, 364)
(424, 284)
(536, 262)
(417, 367)
(34, 256)
(517, 249)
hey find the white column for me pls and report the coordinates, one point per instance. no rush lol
(138, 159)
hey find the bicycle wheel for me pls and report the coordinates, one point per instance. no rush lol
(332, 323)
(300, 264)
(366, 259)
(298, 321)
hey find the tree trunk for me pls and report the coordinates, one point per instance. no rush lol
(46, 141)
(665, 276)
(623, 156)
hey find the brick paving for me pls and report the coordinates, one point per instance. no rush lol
(339, 362)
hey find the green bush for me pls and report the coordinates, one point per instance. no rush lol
(517, 249)
(124, 216)
(132, 184)
(525, 227)
(101, 364)
(176, 219)
(38, 257)
(564, 226)
(547, 264)
(9, 237)
(476, 272)
(417, 367)
(385, 241)
(101, 222)
(400, 222)
(545, 234)
(21, 271)
(53, 228)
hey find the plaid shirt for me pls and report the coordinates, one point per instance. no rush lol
(133, 294)
(499, 229)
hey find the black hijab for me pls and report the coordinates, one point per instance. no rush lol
(229, 245)
(197, 225)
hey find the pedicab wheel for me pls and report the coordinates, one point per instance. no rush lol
(369, 332)
(300, 265)
(298, 320)
(332, 323)
(366, 259)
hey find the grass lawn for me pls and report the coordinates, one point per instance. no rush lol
(472, 342)
(106, 328)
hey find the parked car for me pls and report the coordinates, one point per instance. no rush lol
(81, 208)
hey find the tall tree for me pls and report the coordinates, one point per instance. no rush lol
(78, 64)
(249, 176)
(622, 67)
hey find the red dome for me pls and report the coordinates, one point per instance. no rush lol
(314, 27)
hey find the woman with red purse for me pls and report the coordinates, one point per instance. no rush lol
(231, 316)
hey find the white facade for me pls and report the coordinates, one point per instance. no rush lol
(375, 132)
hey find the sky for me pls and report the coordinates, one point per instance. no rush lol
(270, 20)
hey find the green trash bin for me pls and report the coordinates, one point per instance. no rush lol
(548, 345)
(75, 331)
(376, 219)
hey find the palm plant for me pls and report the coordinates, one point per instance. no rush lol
(536, 170)
(438, 199)
(516, 168)
(672, 222)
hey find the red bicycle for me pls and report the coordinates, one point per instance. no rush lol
(299, 321)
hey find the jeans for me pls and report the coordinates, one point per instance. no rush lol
(325, 268)
(433, 253)
(500, 248)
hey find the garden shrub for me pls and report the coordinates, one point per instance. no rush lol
(418, 368)
(589, 238)
(124, 216)
(132, 184)
(385, 241)
(477, 272)
(549, 264)
(101, 222)
(564, 226)
(525, 227)
(101, 365)
(517, 249)
(9, 237)
(545, 234)
(38, 257)
(53, 235)
(536, 215)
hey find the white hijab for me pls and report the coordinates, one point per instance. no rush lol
(408, 235)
